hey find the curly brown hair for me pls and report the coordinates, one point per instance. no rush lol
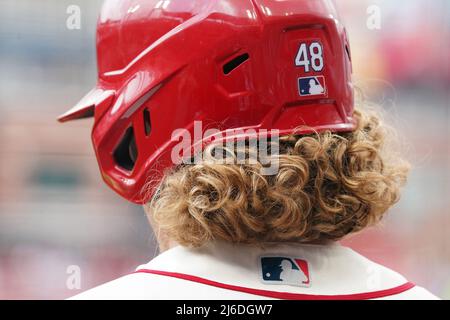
(328, 185)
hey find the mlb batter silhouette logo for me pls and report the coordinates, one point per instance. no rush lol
(311, 86)
(285, 270)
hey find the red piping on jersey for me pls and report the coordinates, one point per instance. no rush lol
(284, 295)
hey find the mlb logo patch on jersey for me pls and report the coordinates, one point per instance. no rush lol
(311, 86)
(285, 270)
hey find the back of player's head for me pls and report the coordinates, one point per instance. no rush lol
(233, 65)
(327, 185)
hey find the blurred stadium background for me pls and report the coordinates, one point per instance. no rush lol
(56, 212)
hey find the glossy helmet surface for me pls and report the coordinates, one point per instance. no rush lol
(231, 64)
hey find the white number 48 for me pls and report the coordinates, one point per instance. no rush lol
(310, 56)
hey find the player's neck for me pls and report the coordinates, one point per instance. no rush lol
(166, 244)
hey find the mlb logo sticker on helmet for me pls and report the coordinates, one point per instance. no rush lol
(312, 86)
(285, 271)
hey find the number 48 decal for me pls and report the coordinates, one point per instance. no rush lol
(310, 56)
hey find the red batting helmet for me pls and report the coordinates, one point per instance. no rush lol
(232, 64)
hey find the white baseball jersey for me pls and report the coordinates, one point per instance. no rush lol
(275, 271)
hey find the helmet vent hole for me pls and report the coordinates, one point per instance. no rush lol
(126, 153)
(234, 63)
(147, 122)
(347, 49)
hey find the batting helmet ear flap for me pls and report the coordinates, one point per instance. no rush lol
(96, 102)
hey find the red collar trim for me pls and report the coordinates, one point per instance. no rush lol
(284, 295)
